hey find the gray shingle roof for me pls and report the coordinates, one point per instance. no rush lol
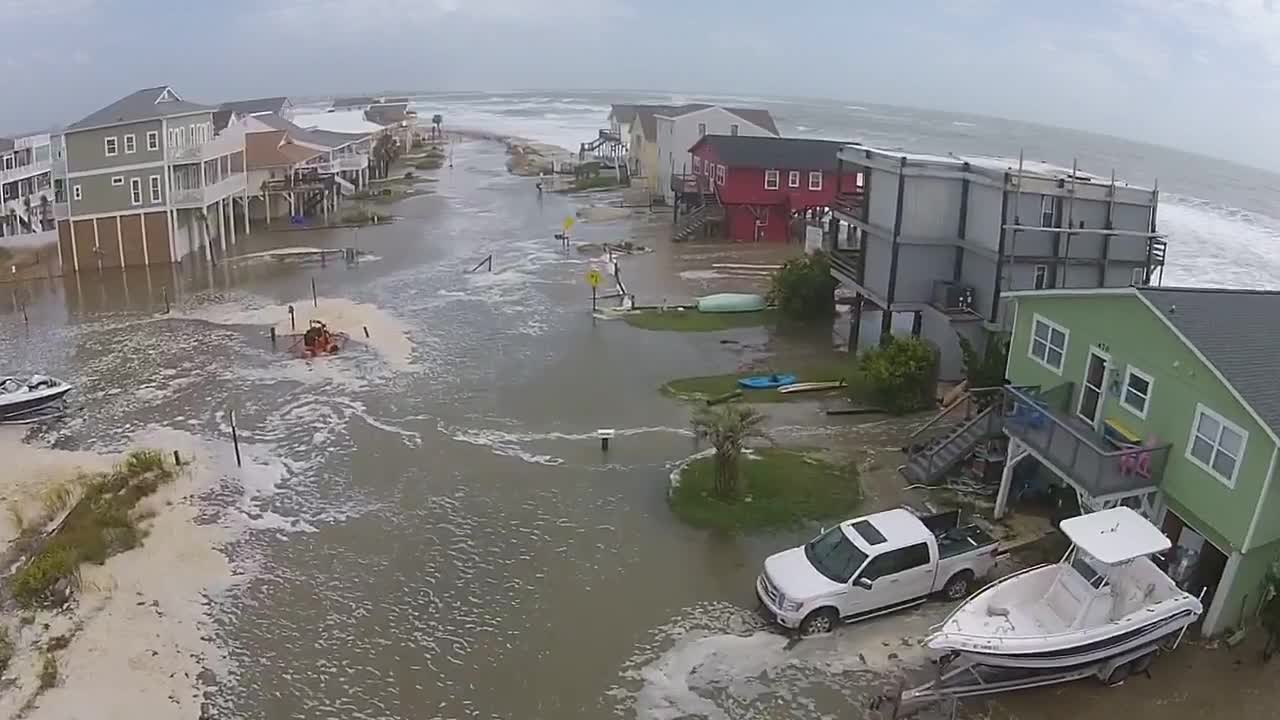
(760, 118)
(138, 106)
(774, 153)
(257, 105)
(1238, 331)
(350, 102)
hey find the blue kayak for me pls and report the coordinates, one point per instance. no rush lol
(764, 382)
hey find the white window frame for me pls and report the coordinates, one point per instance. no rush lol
(1031, 344)
(130, 144)
(156, 189)
(1138, 276)
(117, 181)
(772, 180)
(720, 175)
(111, 146)
(697, 164)
(733, 129)
(793, 179)
(1040, 277)
(1048, 206)
(135, 191)
(1100, 410)
(815, 175)
(1201, 409)
(77, 193)
(1129, 373)
(153, 140)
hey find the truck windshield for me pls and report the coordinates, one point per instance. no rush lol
(834, 556)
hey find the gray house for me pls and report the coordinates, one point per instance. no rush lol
(929, 244)
(147, 180)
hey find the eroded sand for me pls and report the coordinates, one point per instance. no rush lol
(140, 630)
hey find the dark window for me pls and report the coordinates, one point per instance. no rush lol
(896, 561)
(868, 532)
(1042, 277)
(833, 555)
(702, 129)
(733, 129)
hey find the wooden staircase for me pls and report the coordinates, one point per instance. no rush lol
(952, 436)
(694, 222)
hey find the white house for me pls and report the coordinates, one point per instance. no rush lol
(680, 128)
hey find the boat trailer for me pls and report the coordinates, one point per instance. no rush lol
(963, 678)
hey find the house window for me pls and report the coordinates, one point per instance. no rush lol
(117, 181)
(155, 189)
(1048, 343)
(153, 140)
(1138, 277)
(1048, 211)
(697, 163)
(1216, 445)
(1042, 277)
(702, 129)
(111, 146)
(733, 129)
(1137, 391)
(793, 179)
(770, 179)
(720, 175)
(130, 144)
(815, 181)
(135, 191)
(76, 193)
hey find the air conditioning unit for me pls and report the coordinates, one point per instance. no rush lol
(952, 296)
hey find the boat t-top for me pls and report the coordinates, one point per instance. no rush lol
(1105, 598)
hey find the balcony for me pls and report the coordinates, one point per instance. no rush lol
(851, 204)
(689, 184)
(204, 196)
(228, 141)
(350, 163)
(1092, 463)
(25, 171)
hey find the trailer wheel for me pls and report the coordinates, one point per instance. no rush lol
(957, 588)
(1120, 673)
(822, 620)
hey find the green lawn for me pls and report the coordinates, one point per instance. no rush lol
(694, 321)
(710, 386)
(780, 488)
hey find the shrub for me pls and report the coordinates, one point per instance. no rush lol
(6, 649)
(728, 427)
(804, 290)
(48, 672)
(901, 374)
(33, 583)
(985, 369)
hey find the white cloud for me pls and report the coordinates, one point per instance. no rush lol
(1246, 24)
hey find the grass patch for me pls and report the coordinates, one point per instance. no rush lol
(694, 321)
(710, 386)
(780, 488)
(100, 524)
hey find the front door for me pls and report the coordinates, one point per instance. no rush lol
(1093, 387)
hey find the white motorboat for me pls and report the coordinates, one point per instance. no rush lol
(1105, 598)
(31, 398)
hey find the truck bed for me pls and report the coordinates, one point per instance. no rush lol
(959, 540)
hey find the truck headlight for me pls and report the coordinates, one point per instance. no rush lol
(790, 605)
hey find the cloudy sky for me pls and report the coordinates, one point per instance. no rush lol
(1197, 74)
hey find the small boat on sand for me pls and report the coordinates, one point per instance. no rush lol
(812, 386)
(32, 398)
(767, 382)
(318, 340)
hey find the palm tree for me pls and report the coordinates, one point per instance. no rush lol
(728, 427)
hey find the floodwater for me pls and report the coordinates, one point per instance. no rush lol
(440, 534)
(430, 528)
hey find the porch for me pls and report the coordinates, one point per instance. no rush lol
(1103, 466)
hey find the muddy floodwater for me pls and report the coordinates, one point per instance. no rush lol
(430, 528)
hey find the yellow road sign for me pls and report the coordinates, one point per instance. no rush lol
(593, 278)
(568, 223)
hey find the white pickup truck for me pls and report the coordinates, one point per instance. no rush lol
(873, 565)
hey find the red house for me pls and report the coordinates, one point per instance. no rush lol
(764, 183)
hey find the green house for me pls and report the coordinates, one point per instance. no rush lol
(1166, 400)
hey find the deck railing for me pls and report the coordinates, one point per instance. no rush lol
(851, 203)
(1042, 422)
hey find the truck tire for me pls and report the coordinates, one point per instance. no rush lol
(822, 620)
(957, 587)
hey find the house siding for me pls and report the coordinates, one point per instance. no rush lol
(98, 195)
(85, 149)
(677, 135)
(1127, 329)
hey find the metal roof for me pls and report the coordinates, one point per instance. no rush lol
(773, 152)
(147, 104)
(1236, 331)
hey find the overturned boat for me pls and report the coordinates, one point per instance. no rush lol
(1105, 598)
(31, 399)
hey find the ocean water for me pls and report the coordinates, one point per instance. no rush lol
(1222, 219)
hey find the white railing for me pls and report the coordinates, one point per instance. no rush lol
(349, 163)
(202, 196)
(194, 196)
(226, 142)
(25, 171)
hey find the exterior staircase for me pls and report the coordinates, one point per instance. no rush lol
(691, 224)
(951, 436)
